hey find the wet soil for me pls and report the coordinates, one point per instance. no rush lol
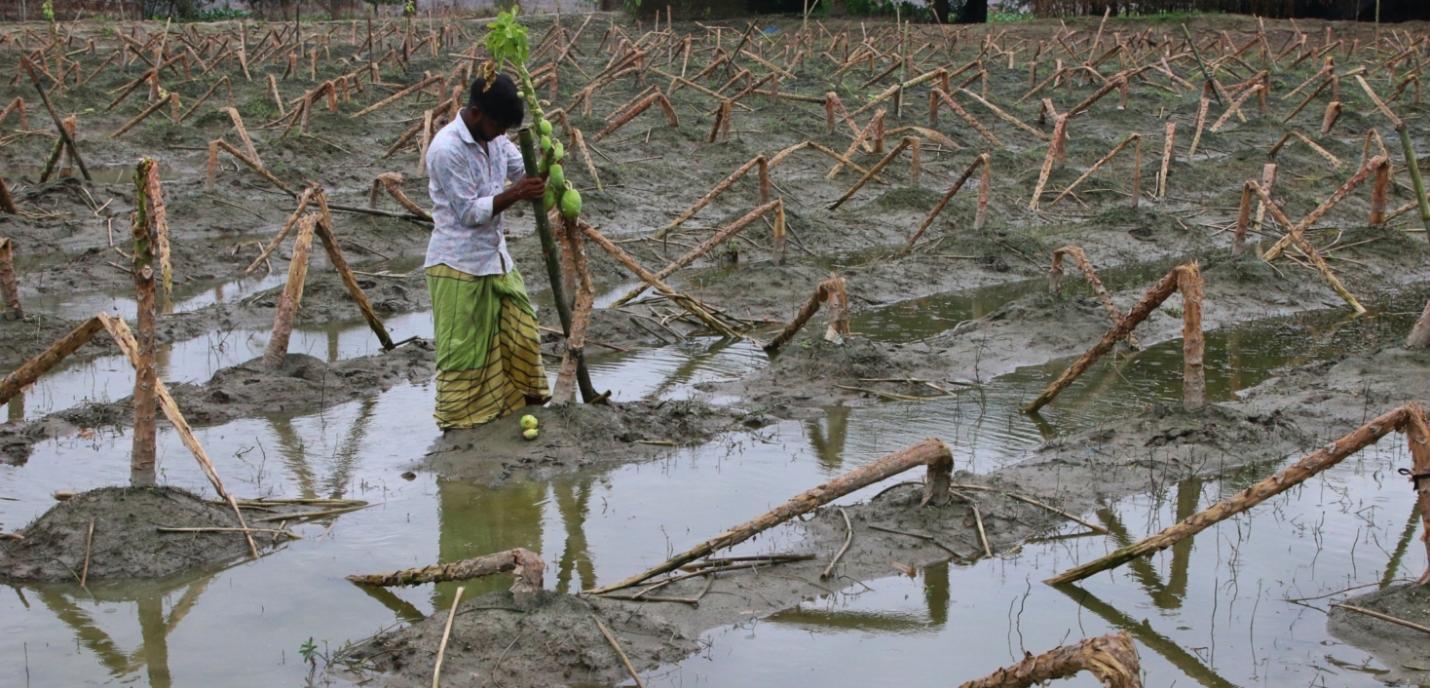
(581, 437)
(126, 543)
(67, 251)
(1399, 648)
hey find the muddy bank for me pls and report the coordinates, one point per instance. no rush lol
(302, 384)
(1402, 649)
(555, 641)
(581, 436)
(126, 544)
(1036, 326)
(1081, 472)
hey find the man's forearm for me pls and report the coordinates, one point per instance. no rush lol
(503, 200)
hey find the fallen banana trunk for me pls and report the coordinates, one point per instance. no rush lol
(931, 452)
(1185, 278)
(829, 291)
(1111, 658)
(526, 566)
(1409, 418)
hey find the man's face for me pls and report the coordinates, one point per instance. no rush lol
(487, 128)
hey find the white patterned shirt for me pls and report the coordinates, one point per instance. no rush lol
(463, 177)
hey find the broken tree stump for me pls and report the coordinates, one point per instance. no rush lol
(7, 202)
(1149, 302)
(146, 237)
(9, 284)
(526, 566)
(1292, 475)
(1089, 273)
(1294, 235)
(31, 370)
(931, 452)
(716, 239)
(1111, 658)
(830, 291)
(982, 161)
(328, 235)
(391, 182)
(292, 295)
(695, 308)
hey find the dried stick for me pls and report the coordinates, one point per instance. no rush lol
(1305, 246)
(64, 134)
(88, 548)
(1291, 476)
(1055, 153)
(446, 634)
(714, 192)
(1376, 615)
(848, 538)
(616, 645)
(283, 231)
(173, 99)
(1169, 152)
(394, 97)
(328, 235)
(1111, 658)
(219, 144)
(932, 453)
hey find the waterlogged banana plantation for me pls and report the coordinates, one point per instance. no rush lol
(651, 346)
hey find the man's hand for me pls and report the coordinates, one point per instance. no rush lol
(525, 189)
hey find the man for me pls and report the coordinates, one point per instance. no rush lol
(488, 347)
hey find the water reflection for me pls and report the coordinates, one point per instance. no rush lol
(1166, 595)
(146, 600)
(827, 436)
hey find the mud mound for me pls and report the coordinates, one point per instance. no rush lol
(301, 383)
(1401, 649)
(126, 542)
(555, 641)
(580, 436)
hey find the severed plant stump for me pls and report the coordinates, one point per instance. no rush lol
(1111, 658)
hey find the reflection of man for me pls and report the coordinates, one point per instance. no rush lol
(488, 348)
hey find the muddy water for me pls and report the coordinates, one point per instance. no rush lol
(1213, 611)
(107, 378)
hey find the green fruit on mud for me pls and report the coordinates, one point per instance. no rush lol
(556, 176)
(571, 204)
(558, 151)
(531, 434)
(528, 422)
(544, 126)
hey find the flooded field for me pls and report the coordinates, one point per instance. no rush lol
(949, 339)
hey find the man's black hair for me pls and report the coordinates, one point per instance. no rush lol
(501, 102)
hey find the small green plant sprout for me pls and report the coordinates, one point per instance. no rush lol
(308, 651)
